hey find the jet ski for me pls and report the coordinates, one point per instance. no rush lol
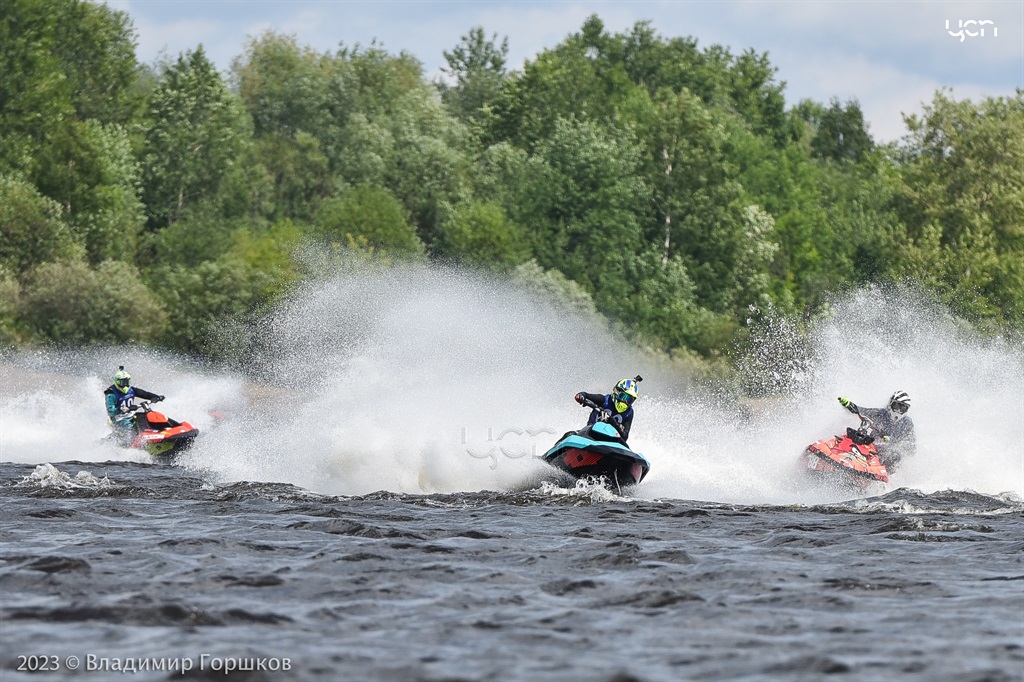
(598, 451)
(849, 460)
(156, 433)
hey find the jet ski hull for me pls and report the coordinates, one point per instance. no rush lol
(597, 452)
(843, 461)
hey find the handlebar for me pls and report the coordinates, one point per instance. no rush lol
(603, 414)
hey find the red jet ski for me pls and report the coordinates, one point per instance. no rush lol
(156, 433)
(849, 461)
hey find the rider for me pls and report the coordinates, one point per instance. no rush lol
(619, 403)
(120, 398)
(892, 425)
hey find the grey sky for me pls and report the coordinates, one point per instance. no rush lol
(891, 55)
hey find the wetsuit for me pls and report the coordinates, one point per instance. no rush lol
(901, 439)
(622, 420)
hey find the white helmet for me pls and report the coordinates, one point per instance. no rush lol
(899, 403)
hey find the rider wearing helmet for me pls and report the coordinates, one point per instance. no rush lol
(619, 403)
(894, 429)
(120, 397)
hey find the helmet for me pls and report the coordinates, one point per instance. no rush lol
(899, 403)
(624, 394)
(122, 380)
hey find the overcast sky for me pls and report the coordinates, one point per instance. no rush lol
(890, 55)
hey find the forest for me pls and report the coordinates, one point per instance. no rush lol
(662, 185)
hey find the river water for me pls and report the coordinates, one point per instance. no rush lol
(367, 504)
(127, 565)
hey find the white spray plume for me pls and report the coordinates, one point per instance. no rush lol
(416, 379)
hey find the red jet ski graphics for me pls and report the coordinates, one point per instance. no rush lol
(850, 460)
(156, 433)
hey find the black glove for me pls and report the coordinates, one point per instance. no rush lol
(159, 399)
(579, 398)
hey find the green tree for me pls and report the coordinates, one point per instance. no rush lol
(10, 293)
(90, 169)
(367, 214)
(96, 48)
(554, 288)
(31, 228)
(477, 68)
(841, 133)
(34, 97)
(68, 302)
(574, 80)
(962, 200)
(291, 93)
(480, 234)
(197, 134)
(585, 207)
(201, 300)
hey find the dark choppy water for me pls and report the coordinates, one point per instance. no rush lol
(137, 562)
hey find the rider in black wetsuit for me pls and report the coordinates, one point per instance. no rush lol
(619, 403)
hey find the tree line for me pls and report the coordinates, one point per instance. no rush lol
(662, 184)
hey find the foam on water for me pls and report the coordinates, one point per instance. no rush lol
(416, 379)
(48, 476)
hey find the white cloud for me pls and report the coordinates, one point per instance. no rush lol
(884, 91)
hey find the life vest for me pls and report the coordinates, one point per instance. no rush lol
(126, 399)
(609, 405)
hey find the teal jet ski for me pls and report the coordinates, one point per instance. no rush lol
(598, 451)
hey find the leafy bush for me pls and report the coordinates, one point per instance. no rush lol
(9, 295)
(31, 229)
(371, 213)
(479, 233)
(201, 299)
(69, 302)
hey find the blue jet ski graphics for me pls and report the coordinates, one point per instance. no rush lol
(598, 451)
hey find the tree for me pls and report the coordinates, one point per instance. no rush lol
(34, 96)
(477, 67)
(585, 208)
(480, 234)
(368, 215)
(68, 73)
(10, 293)
(289, 91)
(89, 168)
(96, 48)
(962, 200)
(202, 299)
(574, 80)
(841, 133)
(68, 302)
(197, 133)
(31, 228)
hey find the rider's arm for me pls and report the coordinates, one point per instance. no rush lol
(144, 394)
(596, 398)
(848, 404)
(111, 404)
